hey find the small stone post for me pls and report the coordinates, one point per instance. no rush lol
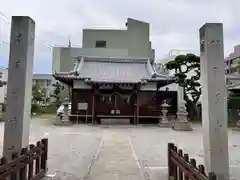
(214, 100)
(182, 124)
(66, 112)
(237, 126)
(19, 90)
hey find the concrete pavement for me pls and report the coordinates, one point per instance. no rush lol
(115, 159)
(73, 150)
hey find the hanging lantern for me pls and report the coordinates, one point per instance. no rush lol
(102, 98)
(128, 99)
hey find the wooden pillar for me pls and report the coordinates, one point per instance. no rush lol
(93, 105)
(136, 104)
(73, 107)
(134, 109)
(137, 107)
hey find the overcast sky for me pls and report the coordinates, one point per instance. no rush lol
(174, 23)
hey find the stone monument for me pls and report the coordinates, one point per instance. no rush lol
(164, 122)
(214, 100)
(182, 123)
(19, 91)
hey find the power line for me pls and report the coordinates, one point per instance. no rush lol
(4, 17)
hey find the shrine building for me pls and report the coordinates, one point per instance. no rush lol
(121, 89)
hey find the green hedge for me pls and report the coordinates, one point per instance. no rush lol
(50, 109)
(3, 107)
(234, 102)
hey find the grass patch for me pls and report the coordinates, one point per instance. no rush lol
(230, 123)
(196, 122)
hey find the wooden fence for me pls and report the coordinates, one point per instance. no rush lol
(31, 164)
(181, 168)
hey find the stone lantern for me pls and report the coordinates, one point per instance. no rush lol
(65, 121)
(163, 122)
(65, 111)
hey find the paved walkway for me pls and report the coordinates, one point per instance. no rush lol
(115, 159)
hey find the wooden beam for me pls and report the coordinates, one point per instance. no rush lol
(93, 103)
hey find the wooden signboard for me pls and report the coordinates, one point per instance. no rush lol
(82, 106)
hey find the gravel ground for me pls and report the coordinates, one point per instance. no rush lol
(72, 149)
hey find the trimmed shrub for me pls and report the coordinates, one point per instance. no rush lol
(234, 102)
(50, 109)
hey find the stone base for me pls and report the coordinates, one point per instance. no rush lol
(110, 121)
(182, 126)
(63, 123)
(236, 128)
(164, 124)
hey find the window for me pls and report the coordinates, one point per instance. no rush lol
(101, 44)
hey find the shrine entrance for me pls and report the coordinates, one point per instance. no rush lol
(121, 104)
(114, 104)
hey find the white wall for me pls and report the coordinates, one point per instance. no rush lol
(80, 85)
(171, 87)
(3, 90)
(150, 86)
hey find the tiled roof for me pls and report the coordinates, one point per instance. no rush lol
(114, 70)
(119, 72)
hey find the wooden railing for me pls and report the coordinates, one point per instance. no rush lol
(31, 164)
(181, 168)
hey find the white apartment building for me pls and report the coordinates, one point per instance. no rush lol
(44, 81)
(232, 68)
(130, 42)
(232, 62)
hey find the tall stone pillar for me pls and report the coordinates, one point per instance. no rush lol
(19, 91)
(214, 100)
(180, 95)
(182, 123)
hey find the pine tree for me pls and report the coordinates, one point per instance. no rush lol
(57, 93)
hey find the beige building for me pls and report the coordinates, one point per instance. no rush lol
(130, 42)
(134, 41)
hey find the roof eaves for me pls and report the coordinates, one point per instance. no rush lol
(162, 77)
(89, 80)
(113, 59)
